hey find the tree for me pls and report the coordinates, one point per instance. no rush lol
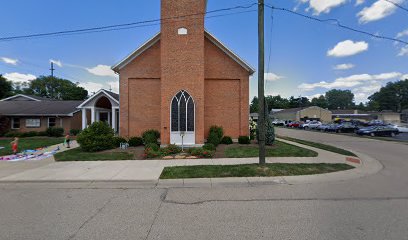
(319, 101)
(394, 96)
(254, 107)
(56, 88)
(340, 99)
(6, 88)
(276, 102)
(298, 102)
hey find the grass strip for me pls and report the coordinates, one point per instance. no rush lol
(78, 155)
(320, 146)
(251, 170)
(28, 144)
(280, 149)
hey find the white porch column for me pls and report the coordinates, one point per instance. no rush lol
(109, 118)
(84, 122)
(114, 119)
(93, 114)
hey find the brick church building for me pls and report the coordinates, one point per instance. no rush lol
(183, 81)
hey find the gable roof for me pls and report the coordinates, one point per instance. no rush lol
(156, 38)
(27, 97)
(113, 96)
(38, 108)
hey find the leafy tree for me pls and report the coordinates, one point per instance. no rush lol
(254, 107)
(319, 101)
(340, 99)
(394, 96)
(56, 88)
(276, 102)
(298, 102)
(6, 88)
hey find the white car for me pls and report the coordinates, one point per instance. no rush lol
(401, 129)
(311, 125)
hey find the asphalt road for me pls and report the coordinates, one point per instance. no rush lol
(374, 207)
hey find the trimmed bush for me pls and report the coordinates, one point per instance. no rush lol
(152, 146)
(74, 132)
(151, 153)
(118, 140)
(244, 140)
(97, 137)
(151, 136)
(12, 134)
(55, 132)
(42, 133)
(209, 146)
(270, 132)
(29, 134)
(226, 140)
(201, 153)
(215, 135)
(171, 149)
(135, 141)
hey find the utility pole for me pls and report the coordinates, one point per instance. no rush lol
(52, 69)
(261, 81)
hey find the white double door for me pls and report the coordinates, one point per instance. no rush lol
(182, 119)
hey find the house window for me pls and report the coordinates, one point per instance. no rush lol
(33, 122)
(15, 123)
(52, 122)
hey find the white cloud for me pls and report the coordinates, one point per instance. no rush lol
(378, 10)
(91, 86)
(56, 62)
(403, 51)
(114, 86)
(315, 96)
(361, 94)
(9, 60)
(359, 2)
(404, 77)
(272, 77)
(347, 48)
(322, 6)
(350, 81)
(344, 66)
(19, 77)
(102, 70)
(403, 33)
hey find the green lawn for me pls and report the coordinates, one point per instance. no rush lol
(280, 149)
(28, 143)
(251, 170)
(78, 155)
(320, 146)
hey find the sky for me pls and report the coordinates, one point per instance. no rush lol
(303, 57)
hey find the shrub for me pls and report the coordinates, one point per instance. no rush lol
(226, 140)
(12, 134)
(215, 135)
(269, 132)
(244, 140)
(29, 134)
(97, 137)
(171, 149)
(201, 153)
(151, 136)
(55, 132)
(74, 132)
(135, 141)
(252, 129)
(151, 153)
(152, 146)
(42, 133)
(209, 146)
(118, 140)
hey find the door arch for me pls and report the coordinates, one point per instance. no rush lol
(182, 119)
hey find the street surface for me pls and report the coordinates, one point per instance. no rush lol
(372, 207)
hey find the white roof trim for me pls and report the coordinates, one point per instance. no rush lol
(96, 94)
(20, 95)
(136, 53)
(156, 38)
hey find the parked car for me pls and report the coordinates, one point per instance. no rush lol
(378, 131)
(287, 122)
(295, 124)
(345, 128)
(332, 127)
(277, 122)
(311, 125)
(401, 129)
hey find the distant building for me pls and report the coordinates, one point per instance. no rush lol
(304, 114)
(385, 116)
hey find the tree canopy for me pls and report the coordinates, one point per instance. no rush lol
(394, 96)
(6, 88)
(340, 99)
(56, 88)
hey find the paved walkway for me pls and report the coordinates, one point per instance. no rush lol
(148, 171)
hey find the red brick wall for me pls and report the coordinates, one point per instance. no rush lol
(182, 60)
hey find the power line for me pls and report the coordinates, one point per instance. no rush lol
(118, 26)
(336, 22)
(397, 5)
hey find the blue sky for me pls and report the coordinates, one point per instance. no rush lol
(304, 53)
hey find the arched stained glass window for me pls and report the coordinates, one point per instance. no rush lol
(182, 112)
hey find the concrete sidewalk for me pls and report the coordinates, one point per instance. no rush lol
(148, 171)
